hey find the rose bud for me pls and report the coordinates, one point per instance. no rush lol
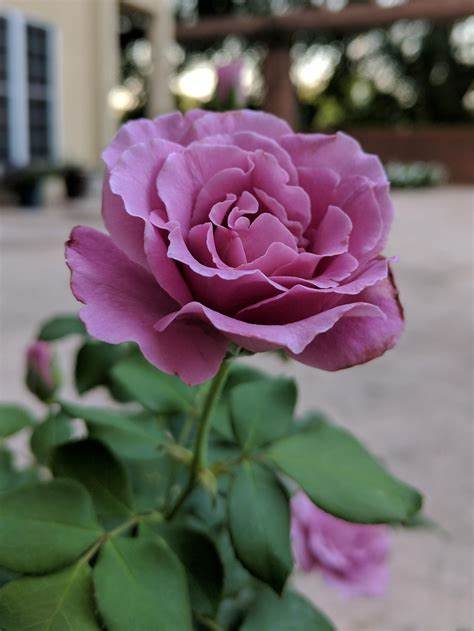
(229, 83)
(351, 557)
(42, 375)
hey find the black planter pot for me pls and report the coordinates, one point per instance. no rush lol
(76, 185)
(30, 195)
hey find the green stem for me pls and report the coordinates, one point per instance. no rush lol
(200, 449)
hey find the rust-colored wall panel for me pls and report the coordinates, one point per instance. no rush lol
(452, 146)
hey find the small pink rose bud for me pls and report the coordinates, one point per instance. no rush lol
(229, 83)
(351, 557)
(42, 375)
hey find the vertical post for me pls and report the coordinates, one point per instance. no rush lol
(280, 98)
(107, 15)
(162, 39)
(17, 90)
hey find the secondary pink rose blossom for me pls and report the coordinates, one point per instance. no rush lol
(41, 372)
(229, 82)
(231, 228)
(352, 557)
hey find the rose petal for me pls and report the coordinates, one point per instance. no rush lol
(219, 210)
(265, 230)
(162, 267)
(184, 174)
(372, 581)
(332, 235)
(276, 255)
(302, 267)
(320, 184)
(232, 180)
(240, 121)
(355, 341)
(134, 175)
(365, 276)
(298, 303)
(251, 141)
(247, 204)
(123, 303)
(126, 231)
(356, 196)
(229, 246)
(293, 337)
(338, 152)
(197, 243)
(269, 177)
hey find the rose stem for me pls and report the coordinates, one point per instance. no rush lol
(200, 450)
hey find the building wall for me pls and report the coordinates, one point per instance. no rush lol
(87, 68)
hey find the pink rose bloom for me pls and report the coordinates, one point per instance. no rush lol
(231, 228)
(229, 82)
(351, 557)
(42, 377)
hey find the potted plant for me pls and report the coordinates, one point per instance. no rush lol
(75, 181)
(26, 184)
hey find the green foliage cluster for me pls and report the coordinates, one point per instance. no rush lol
(120, 526)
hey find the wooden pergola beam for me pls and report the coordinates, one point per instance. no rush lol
(353, 18)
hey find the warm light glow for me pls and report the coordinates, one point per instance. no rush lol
(195, 82)
(121, 99)
(312, 71)
(462, 41)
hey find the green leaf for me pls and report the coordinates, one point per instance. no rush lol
(262, 411)
(7, 576)
(149, 479)
(342, 477)
(54, 431)
(13, 418)
(96, 468)
(94, 362)
(12, 478)
(259, 523)
(198, 554)
(141, 585)
(55, 602)
(154, 389)
(236, 577)
(234, 609)
(46, 526)
(238, 374)
(290, 612)
(61, 326)
(130, 435)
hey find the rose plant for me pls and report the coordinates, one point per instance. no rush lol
(352, 557)
(229, 235)
(229, 88)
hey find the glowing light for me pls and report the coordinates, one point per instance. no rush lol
(361, 93)
(121, 99)
(468, 100)
(141, 53)
(312, 71)
(195, 82)
(462, 41)
(365, 44)
(390, 3)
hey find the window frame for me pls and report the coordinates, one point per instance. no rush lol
(17, 87)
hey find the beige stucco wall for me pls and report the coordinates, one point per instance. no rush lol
(88, 67)
(83, 76)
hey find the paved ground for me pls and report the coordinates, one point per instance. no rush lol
(413, 407)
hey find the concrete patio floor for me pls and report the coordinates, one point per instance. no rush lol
(413, 407)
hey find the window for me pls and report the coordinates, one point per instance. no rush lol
(4, 150)
(38, 92)
(27, 90)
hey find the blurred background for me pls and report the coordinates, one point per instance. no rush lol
(399, 76)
